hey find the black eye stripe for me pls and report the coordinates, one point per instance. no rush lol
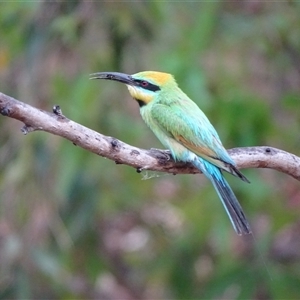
(147, 85)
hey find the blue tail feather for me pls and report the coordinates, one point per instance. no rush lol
(229, 200)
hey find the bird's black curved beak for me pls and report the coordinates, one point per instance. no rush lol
(121, 77)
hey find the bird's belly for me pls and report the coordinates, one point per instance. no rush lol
(179, 152)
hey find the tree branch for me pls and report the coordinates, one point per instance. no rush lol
(153, 159)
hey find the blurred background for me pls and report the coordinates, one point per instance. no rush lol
(77, 226)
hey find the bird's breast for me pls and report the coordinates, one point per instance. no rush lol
(179, 152)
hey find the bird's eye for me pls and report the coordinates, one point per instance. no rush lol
(144, 83)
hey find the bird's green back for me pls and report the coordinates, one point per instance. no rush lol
(172, 115)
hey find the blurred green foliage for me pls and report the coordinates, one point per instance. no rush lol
(74, 225)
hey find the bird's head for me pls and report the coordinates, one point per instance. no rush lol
(143, 86)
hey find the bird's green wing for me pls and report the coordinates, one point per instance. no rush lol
(187, 124)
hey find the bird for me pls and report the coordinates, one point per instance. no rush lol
(182, 127)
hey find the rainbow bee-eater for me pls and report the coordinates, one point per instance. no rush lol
(183, 128)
